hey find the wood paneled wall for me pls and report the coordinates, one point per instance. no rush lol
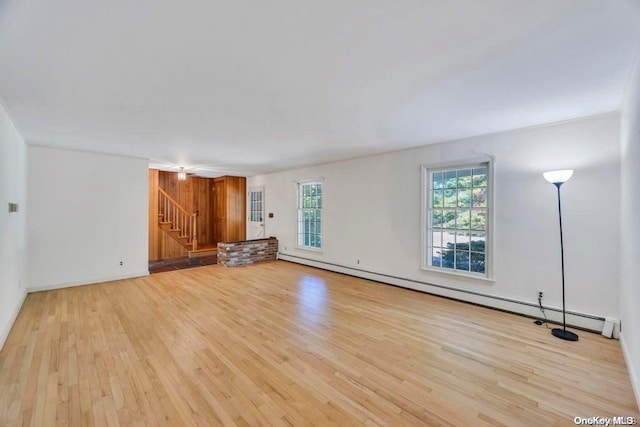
(203, 200)
(230, 208)
(220, 203)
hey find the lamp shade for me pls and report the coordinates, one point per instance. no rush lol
(558, 177)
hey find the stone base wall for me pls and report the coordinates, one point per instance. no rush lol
(247, 251)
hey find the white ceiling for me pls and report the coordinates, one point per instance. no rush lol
(250, 86)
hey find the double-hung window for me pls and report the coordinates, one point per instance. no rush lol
(458, 218)
(310, 215)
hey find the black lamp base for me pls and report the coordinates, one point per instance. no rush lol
(564, 335)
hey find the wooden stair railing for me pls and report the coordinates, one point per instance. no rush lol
(182, 225)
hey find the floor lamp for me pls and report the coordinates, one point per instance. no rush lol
(558, 178)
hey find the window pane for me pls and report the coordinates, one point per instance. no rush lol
(480, 177)
(437, 199)
(450, 179)
(464, 198)
(478, 220)
(436, 257)
(477, 262)
(462, 240)
(478, 242)
(479, 197)
(436, 238)
(464, 178)
(450, 200)
(448, 238)
(436, 219)
(462, 260)
(436, 179)
(448, 256)
(463, 219)
(449, 218)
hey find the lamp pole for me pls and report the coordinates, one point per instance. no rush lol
(558, 178)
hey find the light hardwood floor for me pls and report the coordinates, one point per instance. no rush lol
(283, 344)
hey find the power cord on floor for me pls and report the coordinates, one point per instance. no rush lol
(545, 321)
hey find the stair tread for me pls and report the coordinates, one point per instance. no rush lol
(205, 250)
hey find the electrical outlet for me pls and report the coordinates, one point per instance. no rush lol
(121, 262)
(540, 293)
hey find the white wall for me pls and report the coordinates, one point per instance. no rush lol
(372, 213)
(13, 188)
(87, 212)
(630, 228)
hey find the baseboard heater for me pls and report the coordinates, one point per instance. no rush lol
(575, 319)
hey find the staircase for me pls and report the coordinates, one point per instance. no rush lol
(177, 222)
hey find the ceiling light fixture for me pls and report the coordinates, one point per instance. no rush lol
(182, 175)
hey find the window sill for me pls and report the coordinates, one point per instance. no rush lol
(308, 248)
(458, 275)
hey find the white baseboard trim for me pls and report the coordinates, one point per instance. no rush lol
(85, 282)
(635, 381)
(579, 320)
(14, 316)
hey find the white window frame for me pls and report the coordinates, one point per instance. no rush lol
(426, 220)
(298, 186)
